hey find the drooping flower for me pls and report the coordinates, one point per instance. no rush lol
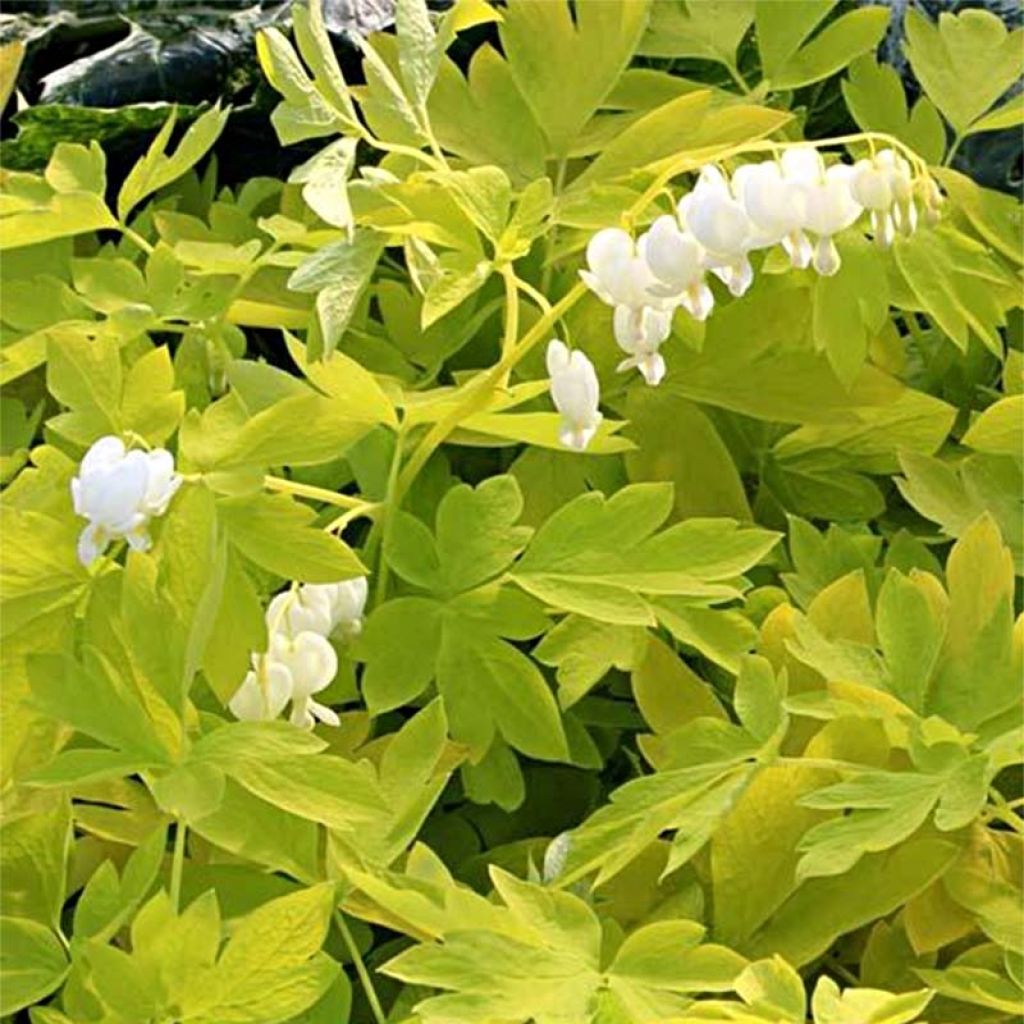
(720, 224)
(830, 203)
(640, 333)
(293, 669)
(777, 206)
(264, 692)
(347, 601)
(299, 610)
(119, 492)
(884, 186)
(620, 274)
(319, 608)
(312, 663)
(677, 260)
(575, 393)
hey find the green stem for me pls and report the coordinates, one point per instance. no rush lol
(1002, 811)
(364, 975)
(435, 146)
(300, 490)
(381, 529)
(135, 237)
(692, 162)
(957, 139)
(734, 74)
(478, 392)
(549, 242)
(178, 863)
(399, 150)
(538, 296)
(511, 314)
(366, 511)
(844, 973)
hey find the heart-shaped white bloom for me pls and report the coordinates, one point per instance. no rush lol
(640, 332)
(719, 222)
(319, 608)
(575, 393)
(301, 661)
(713, 216)
(119, 492)
(303, 609)
(676, 259)
(309, 658)
(312, 663)
(830, 203)
(264, 692)
(777, 207)
(618, 273)
(347, 601)
(871, 186)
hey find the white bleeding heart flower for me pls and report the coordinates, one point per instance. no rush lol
(300, 610)
(309, 657)
(348, 602)
(319, 608)
(640, 333)
(676, 259)
(312, 664)
(119, 492)
(884, 186)
(618, 273)
(264, 692)
(300, 661)
(871, 185)
(777, 207)
(575, 393)
(712, 214)
(901, 183)
(831, 206)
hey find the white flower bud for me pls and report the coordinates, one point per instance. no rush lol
(319, 608)
(575, 393)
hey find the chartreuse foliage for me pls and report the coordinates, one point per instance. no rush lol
(625, 736)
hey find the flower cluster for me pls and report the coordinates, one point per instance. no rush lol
(119, 492)
(300, 660)
(796, 201)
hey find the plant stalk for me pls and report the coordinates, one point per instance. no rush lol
(364, 975)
